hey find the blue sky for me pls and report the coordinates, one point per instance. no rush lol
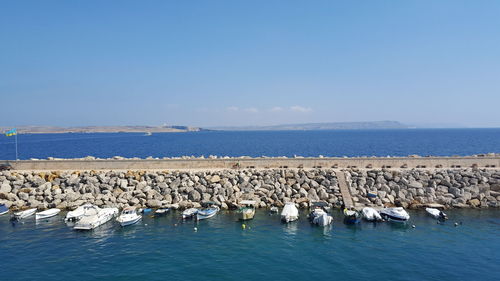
(211, 63)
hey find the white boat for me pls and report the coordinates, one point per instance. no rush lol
(274, 210)
(289, 213)
(397, 214)
(24, 214)
(371, 214)
(128, 216)
(161, 212)
(437, 214)
(319, 215)
(247, 209)
(47, 213)
(189, 213)
(76, 214)
(94, 216)
(3, 209)
(209, 212)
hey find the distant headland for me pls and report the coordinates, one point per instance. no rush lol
(321, 126)
(104, 129)
(368, 125)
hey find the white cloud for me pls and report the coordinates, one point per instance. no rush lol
(232, 108)
(297, 108)
(276, 109)
(251, 110)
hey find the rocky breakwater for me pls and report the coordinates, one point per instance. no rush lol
(67, 190)
(460, 188)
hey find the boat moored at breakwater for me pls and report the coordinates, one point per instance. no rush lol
(397, 214)
(247, 210)
(290, 213)
(94, 216)
(211, 210)
(47, 213)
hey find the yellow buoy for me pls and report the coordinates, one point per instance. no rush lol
(243, 226)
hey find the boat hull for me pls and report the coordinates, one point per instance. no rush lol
(24, 214)
(130, 222)
(247, 214)
(95, 221)
(3, 209)
(47, 214)
(189, 213)
(289, 213)
(435, 213)
(287, 219)
(204, 216)
(322, 220)
(396, 215)
(371, 214)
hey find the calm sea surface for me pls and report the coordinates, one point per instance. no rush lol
(167, 249)
(423, 142)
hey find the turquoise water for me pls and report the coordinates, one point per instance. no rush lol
(167, 249)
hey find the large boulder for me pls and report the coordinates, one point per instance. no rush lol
(5, 188)
(153, 203)
(215, 179)
(415, 184)
(474, 203)
(194, 195)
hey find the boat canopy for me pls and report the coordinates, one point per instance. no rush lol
(248, 202)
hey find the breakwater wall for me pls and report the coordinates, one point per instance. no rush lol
(470, 187)
(459, 188)
(188, 163)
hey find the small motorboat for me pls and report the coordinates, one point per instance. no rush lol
(94, 216)
(319, 215)
(75, 215)
(371, 214)
(47, 213)
(3, 209)
(128, 216)
(289, 213)
(274, 210)
(247, 210)
(396, 214)
(189, 213)
(436, 213)
(351, 216)
(208, 212)
(24, 214)
(145, 211)
(161, 212)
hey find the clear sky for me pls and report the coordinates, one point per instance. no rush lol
(212, 63)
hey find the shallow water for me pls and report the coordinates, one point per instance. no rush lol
(445, 142)
(165, 248)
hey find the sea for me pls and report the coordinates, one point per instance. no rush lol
(221, 248)
(466, 247)
(339, 143)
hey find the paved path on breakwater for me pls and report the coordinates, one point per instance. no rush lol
(344, 189)
(260, 163)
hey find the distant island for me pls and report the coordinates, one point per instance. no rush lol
(103, 129)
(322, 126)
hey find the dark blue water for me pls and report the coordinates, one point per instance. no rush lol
(445, 142)
(158, 249)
